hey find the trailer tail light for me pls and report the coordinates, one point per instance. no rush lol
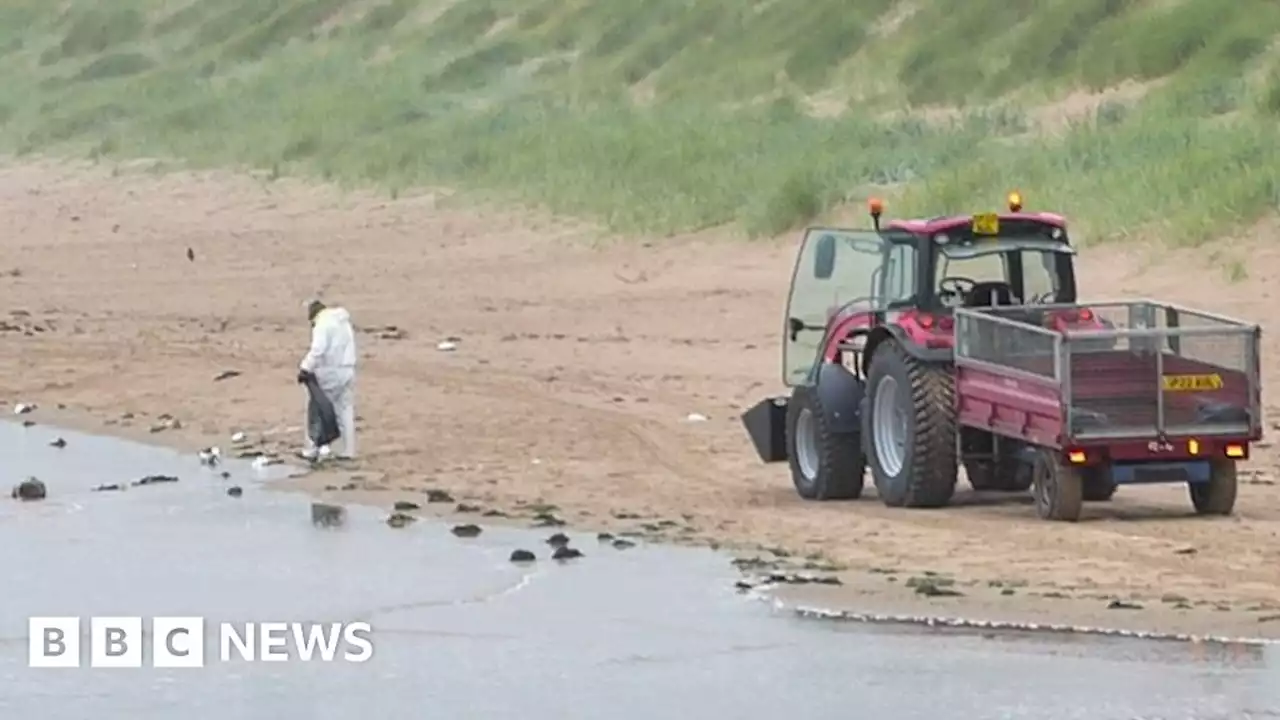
(1193, 447)
(1077, 457)
(1236, 450)
(1086, 315)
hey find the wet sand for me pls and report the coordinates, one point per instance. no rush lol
(646, 632)
(579, 358)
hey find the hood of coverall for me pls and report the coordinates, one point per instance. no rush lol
(333, 316)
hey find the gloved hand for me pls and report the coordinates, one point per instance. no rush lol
(304, 376)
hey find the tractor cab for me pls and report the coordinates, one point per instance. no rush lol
(911, 274)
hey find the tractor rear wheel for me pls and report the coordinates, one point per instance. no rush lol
(909, 427)
(1218, 496)
(1058, 488)
(824, 465)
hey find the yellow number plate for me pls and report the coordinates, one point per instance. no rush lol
(1191, 383)
(986, 224)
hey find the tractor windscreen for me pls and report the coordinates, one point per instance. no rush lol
(1006, 269)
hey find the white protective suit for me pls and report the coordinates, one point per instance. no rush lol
(332, 359)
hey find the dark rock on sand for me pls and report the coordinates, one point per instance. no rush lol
(30, 489)
(111, 487)
(399, 520)
(28, 423)
(752, 563)
(58, 443)
(604, 536)
(558, 540)
(438, 496)
(493, 512)
(155, 480)
(326, 515)
(466, 531)
(464, 508)
(235, 491)
(566, 553)
(623, 544)
(406, 506)
(522, 556)
(933, 585)
(546, 519)
(1123, 605)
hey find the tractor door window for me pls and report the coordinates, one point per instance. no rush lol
(899, 284)
(838, 271)
(1040, 276)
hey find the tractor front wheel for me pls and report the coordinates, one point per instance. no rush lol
(824, 465)
(1218, 496)
(909, 428)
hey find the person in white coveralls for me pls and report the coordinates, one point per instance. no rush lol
(331, 360)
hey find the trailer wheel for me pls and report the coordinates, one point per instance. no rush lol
(1099, 486)
(1218, 496)
(909, 427)
(1058, 489)
(824, 465)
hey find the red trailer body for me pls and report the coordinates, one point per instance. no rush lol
(1145, 389)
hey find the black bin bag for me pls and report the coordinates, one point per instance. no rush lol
(322, 421)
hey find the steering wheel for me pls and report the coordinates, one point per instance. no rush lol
(956, 286)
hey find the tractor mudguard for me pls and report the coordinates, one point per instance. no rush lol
(918, 351)
(766, 424)
(921, 353)
(840, 393)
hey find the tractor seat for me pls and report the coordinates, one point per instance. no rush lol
(989, 294)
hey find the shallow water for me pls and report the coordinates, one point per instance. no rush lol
(647, 633)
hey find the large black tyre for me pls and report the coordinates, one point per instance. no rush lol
(1058, 488)
(824, 465)
(1218, 496)
(1099, 486)
(921, 471)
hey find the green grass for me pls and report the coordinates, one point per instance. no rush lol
(668, 115)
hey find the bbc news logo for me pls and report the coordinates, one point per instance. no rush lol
(179, 642)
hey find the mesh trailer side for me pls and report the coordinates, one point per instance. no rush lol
(1159, 369)
(1000, 338)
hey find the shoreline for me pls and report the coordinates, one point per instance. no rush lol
(808, 588)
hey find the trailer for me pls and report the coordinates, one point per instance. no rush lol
(1157, 393)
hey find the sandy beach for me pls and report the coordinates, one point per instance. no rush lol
(579, 358)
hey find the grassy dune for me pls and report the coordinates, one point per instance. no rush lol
(665, 115)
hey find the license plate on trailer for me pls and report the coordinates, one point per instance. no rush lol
(1192, 383)
(986, 224)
